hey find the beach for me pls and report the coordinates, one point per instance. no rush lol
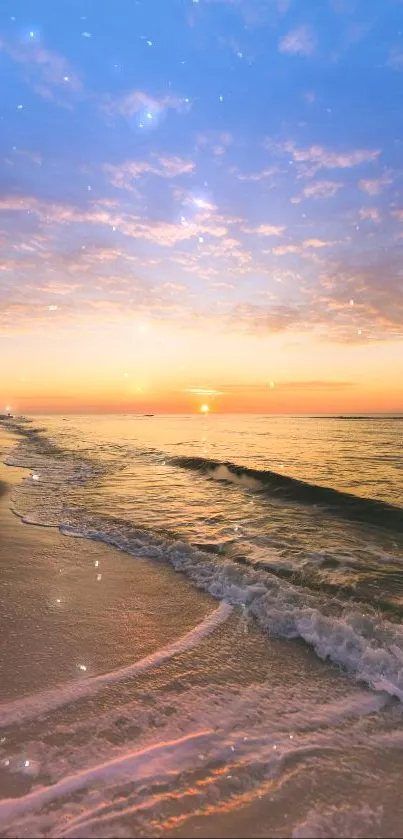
(136, 704)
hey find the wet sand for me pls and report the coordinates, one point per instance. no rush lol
(71, 603)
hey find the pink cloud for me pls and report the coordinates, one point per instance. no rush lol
(123, 175)
(373, 186)
(321, 189)
(320, 158)
(371, 213)
(300, 41)
(266, 230)
(282, 250)
(316, 243)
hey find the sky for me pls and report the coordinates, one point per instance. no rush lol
(201, 204)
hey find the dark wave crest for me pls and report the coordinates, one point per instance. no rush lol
(343, 504)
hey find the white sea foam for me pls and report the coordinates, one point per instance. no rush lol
(39, 704)
(222, 473)
(367, 646)
(152, 763)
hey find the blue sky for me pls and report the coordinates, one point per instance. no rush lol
(229, 161)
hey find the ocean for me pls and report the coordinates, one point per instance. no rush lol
(294, 526)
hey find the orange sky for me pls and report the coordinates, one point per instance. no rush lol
(156, 369)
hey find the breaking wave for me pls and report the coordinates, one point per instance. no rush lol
(343, 504)
(353, 636)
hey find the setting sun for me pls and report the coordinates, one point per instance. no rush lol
(204, 409)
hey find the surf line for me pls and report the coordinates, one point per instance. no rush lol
(151, 762)
(39, 704)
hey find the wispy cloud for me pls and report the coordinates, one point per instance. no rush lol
(255, 177)
(123, 175)
(283, 250)
(215, 142)
(139, 102)
(396, 58)
(162, 233)
(370, 213)
(299, 41)
(373, 186)
(316, 243)
(200, 391)
(44, 70)
(316, 157)
(266, 229)
(321, 189)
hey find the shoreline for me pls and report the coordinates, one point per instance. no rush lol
(77, 608)
(134, 703)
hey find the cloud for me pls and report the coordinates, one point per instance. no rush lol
(19, 155)
(139, 102)
(373, 186)
(316, 243)
(271, 318)
(371, 213)
(282, 250)
(300, 41)
(376, 288)
(319, 157)
(262, 387)
(215, 142)
(45, 70)
(162, 233)
(321, 189)
(309, 96)
(256, 176)
(266, 230)
(201, 391)
(327, 313)
(396, 58)
(123, 175)
(314, 385)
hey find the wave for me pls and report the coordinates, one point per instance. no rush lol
(343, 504)
(362, 643)
(363, 418)
(354, 636)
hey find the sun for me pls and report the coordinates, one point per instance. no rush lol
(204, 409)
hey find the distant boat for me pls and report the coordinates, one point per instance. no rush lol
(148, 415)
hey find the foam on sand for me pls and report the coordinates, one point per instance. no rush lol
(139, 765)
(30, 707)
